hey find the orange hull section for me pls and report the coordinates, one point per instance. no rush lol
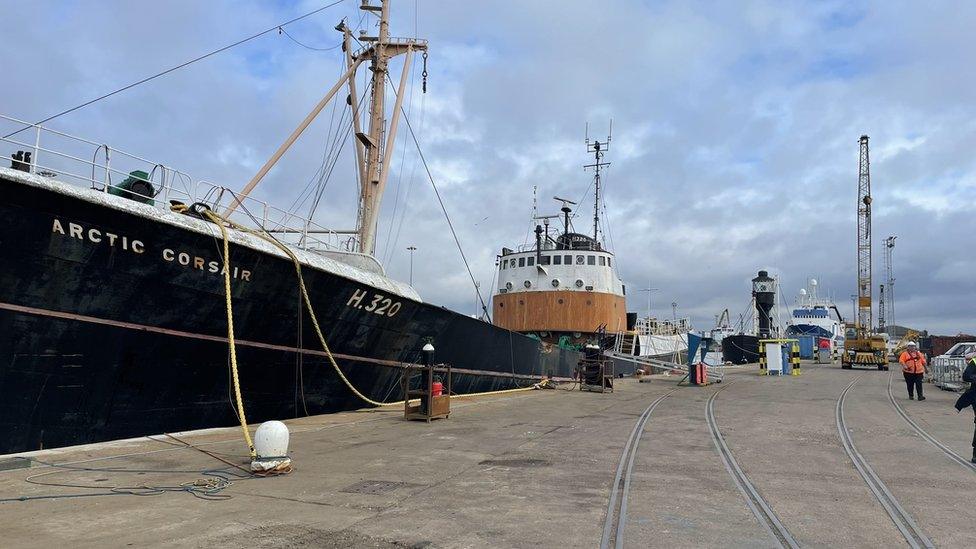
(559, 311)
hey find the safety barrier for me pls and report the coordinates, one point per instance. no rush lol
(946, 373)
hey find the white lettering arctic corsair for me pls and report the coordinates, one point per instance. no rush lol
(202, 264)
(96, 236)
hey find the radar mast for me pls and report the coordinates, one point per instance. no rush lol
(598, 149)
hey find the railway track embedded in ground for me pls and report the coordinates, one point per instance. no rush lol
(924, 434)
(616, 519)
(913, 534)
(757, 504)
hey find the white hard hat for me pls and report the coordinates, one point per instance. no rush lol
(912, 344)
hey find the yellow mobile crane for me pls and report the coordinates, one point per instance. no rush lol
(866, 348)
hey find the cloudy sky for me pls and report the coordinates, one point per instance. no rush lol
(735, 128)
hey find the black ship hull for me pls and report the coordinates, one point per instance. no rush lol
(740, 349)
(113, 325)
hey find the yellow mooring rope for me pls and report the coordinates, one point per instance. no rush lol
(230, 333)
(220, 222)
(308, 302)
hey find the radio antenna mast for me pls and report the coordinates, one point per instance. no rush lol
(598, 149)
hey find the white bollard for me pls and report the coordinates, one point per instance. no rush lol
(271, 447)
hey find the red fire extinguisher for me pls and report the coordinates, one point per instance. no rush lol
(437, 388)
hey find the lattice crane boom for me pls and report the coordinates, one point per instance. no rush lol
(866, 348)
(864, 321)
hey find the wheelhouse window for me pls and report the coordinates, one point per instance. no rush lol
(544, 260)
(568, 259)
(557, 260)
(531, 261)
(591, 260)
(521, 262)
(608, 263)
(603, 261)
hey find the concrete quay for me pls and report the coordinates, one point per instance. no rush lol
(536, 469)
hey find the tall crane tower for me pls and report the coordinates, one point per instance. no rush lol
(866, 348)
(863, 322)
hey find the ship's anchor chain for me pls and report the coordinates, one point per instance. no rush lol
(424, 74)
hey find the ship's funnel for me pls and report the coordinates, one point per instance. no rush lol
(764, 290)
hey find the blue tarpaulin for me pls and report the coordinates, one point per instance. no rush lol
(694, 341)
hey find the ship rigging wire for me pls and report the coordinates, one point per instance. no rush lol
(447, 216)
(393, 247)
(177, 67)
(322, 176)
(327, 151)
(387, 251)
(281, 30)
(410, 180)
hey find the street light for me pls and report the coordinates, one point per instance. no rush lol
(412, 249)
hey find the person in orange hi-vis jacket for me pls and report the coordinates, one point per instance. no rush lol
(914, 366)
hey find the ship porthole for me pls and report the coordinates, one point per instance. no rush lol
(501, 304)
(527, 284)
(508, 285)
(579, 282)
(555, 283)
(560, 301)
(521, 302)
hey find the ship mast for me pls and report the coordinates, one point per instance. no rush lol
(372, 150)
(375, 165)
(598, 149)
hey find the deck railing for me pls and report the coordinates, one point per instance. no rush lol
(85, 163)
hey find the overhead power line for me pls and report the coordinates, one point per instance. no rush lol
(180, 66)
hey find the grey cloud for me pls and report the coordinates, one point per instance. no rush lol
(735, 148)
